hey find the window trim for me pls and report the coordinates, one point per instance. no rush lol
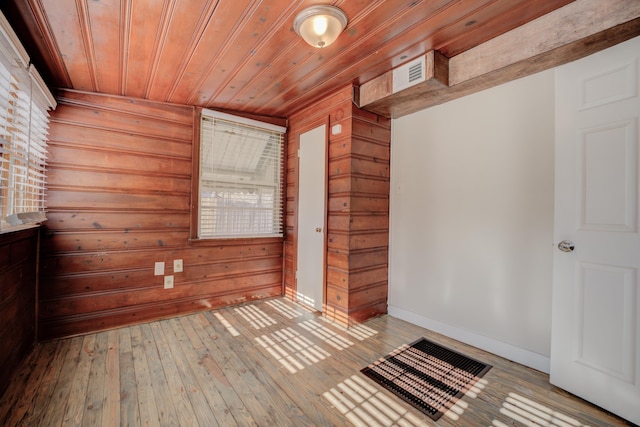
(268, 123)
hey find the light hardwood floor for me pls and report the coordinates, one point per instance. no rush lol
(268, 363)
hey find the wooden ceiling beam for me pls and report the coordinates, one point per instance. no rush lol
(576, 30)
(436, 77)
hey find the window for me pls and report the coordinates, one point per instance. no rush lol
(241, 177)
(24, 102)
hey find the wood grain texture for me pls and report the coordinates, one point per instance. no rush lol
(564, 26)
(358, 207)
(436, 76)
(18, 290)
(245, 56)
(119, 200)
(566, 34)
(269, 362)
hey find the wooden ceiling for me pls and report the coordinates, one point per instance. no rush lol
(244, 56)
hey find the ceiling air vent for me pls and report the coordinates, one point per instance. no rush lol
(408, 74)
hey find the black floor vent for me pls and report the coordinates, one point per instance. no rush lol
(426, 375)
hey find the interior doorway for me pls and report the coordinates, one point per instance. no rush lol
(595, 345)
(312, 196)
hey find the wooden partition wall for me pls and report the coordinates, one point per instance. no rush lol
(18, 284)
(357, 207)
(119, 201)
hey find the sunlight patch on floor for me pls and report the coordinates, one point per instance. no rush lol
(533, 414)
(284, 309)
(458, 408)
(228, 326)
(291, 349)
(364, 405)
(359, 332)
(325, 334)
(256, 317)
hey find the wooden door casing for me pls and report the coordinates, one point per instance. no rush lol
(357, 208)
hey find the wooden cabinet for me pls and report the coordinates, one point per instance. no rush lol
(18, 288)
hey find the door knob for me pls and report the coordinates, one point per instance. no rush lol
(318, 230)
(566, 246)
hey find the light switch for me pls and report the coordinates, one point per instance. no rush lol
(159, 269)
(177, 266)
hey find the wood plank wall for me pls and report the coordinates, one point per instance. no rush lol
(18, 284)
(119, 197)
(358, 207)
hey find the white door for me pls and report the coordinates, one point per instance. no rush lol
(595, 344)
(311, 217)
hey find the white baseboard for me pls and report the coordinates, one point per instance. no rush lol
(508, 351)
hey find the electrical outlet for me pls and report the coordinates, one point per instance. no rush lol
(177, 266)
(168, 282)
(159, 269)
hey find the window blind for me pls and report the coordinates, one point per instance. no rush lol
(24, 104)
(241, 177)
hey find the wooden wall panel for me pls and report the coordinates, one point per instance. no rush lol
(357, 208)
(18, 287)
(119, 197)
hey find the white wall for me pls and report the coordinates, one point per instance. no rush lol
(471, 227)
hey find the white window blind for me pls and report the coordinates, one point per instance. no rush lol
(241, 177)
(24, 104)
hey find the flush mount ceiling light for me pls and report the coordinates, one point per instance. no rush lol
(320, 25)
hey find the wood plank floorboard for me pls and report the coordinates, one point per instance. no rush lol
(111, 404)
(129, 412)
(175, 386)
(202, 410)
(93, 404)
(266, 363)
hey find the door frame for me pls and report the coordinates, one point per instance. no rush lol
(327, 141)
(570, 368)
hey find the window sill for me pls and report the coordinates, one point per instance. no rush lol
(17, 228)
(234, 241)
